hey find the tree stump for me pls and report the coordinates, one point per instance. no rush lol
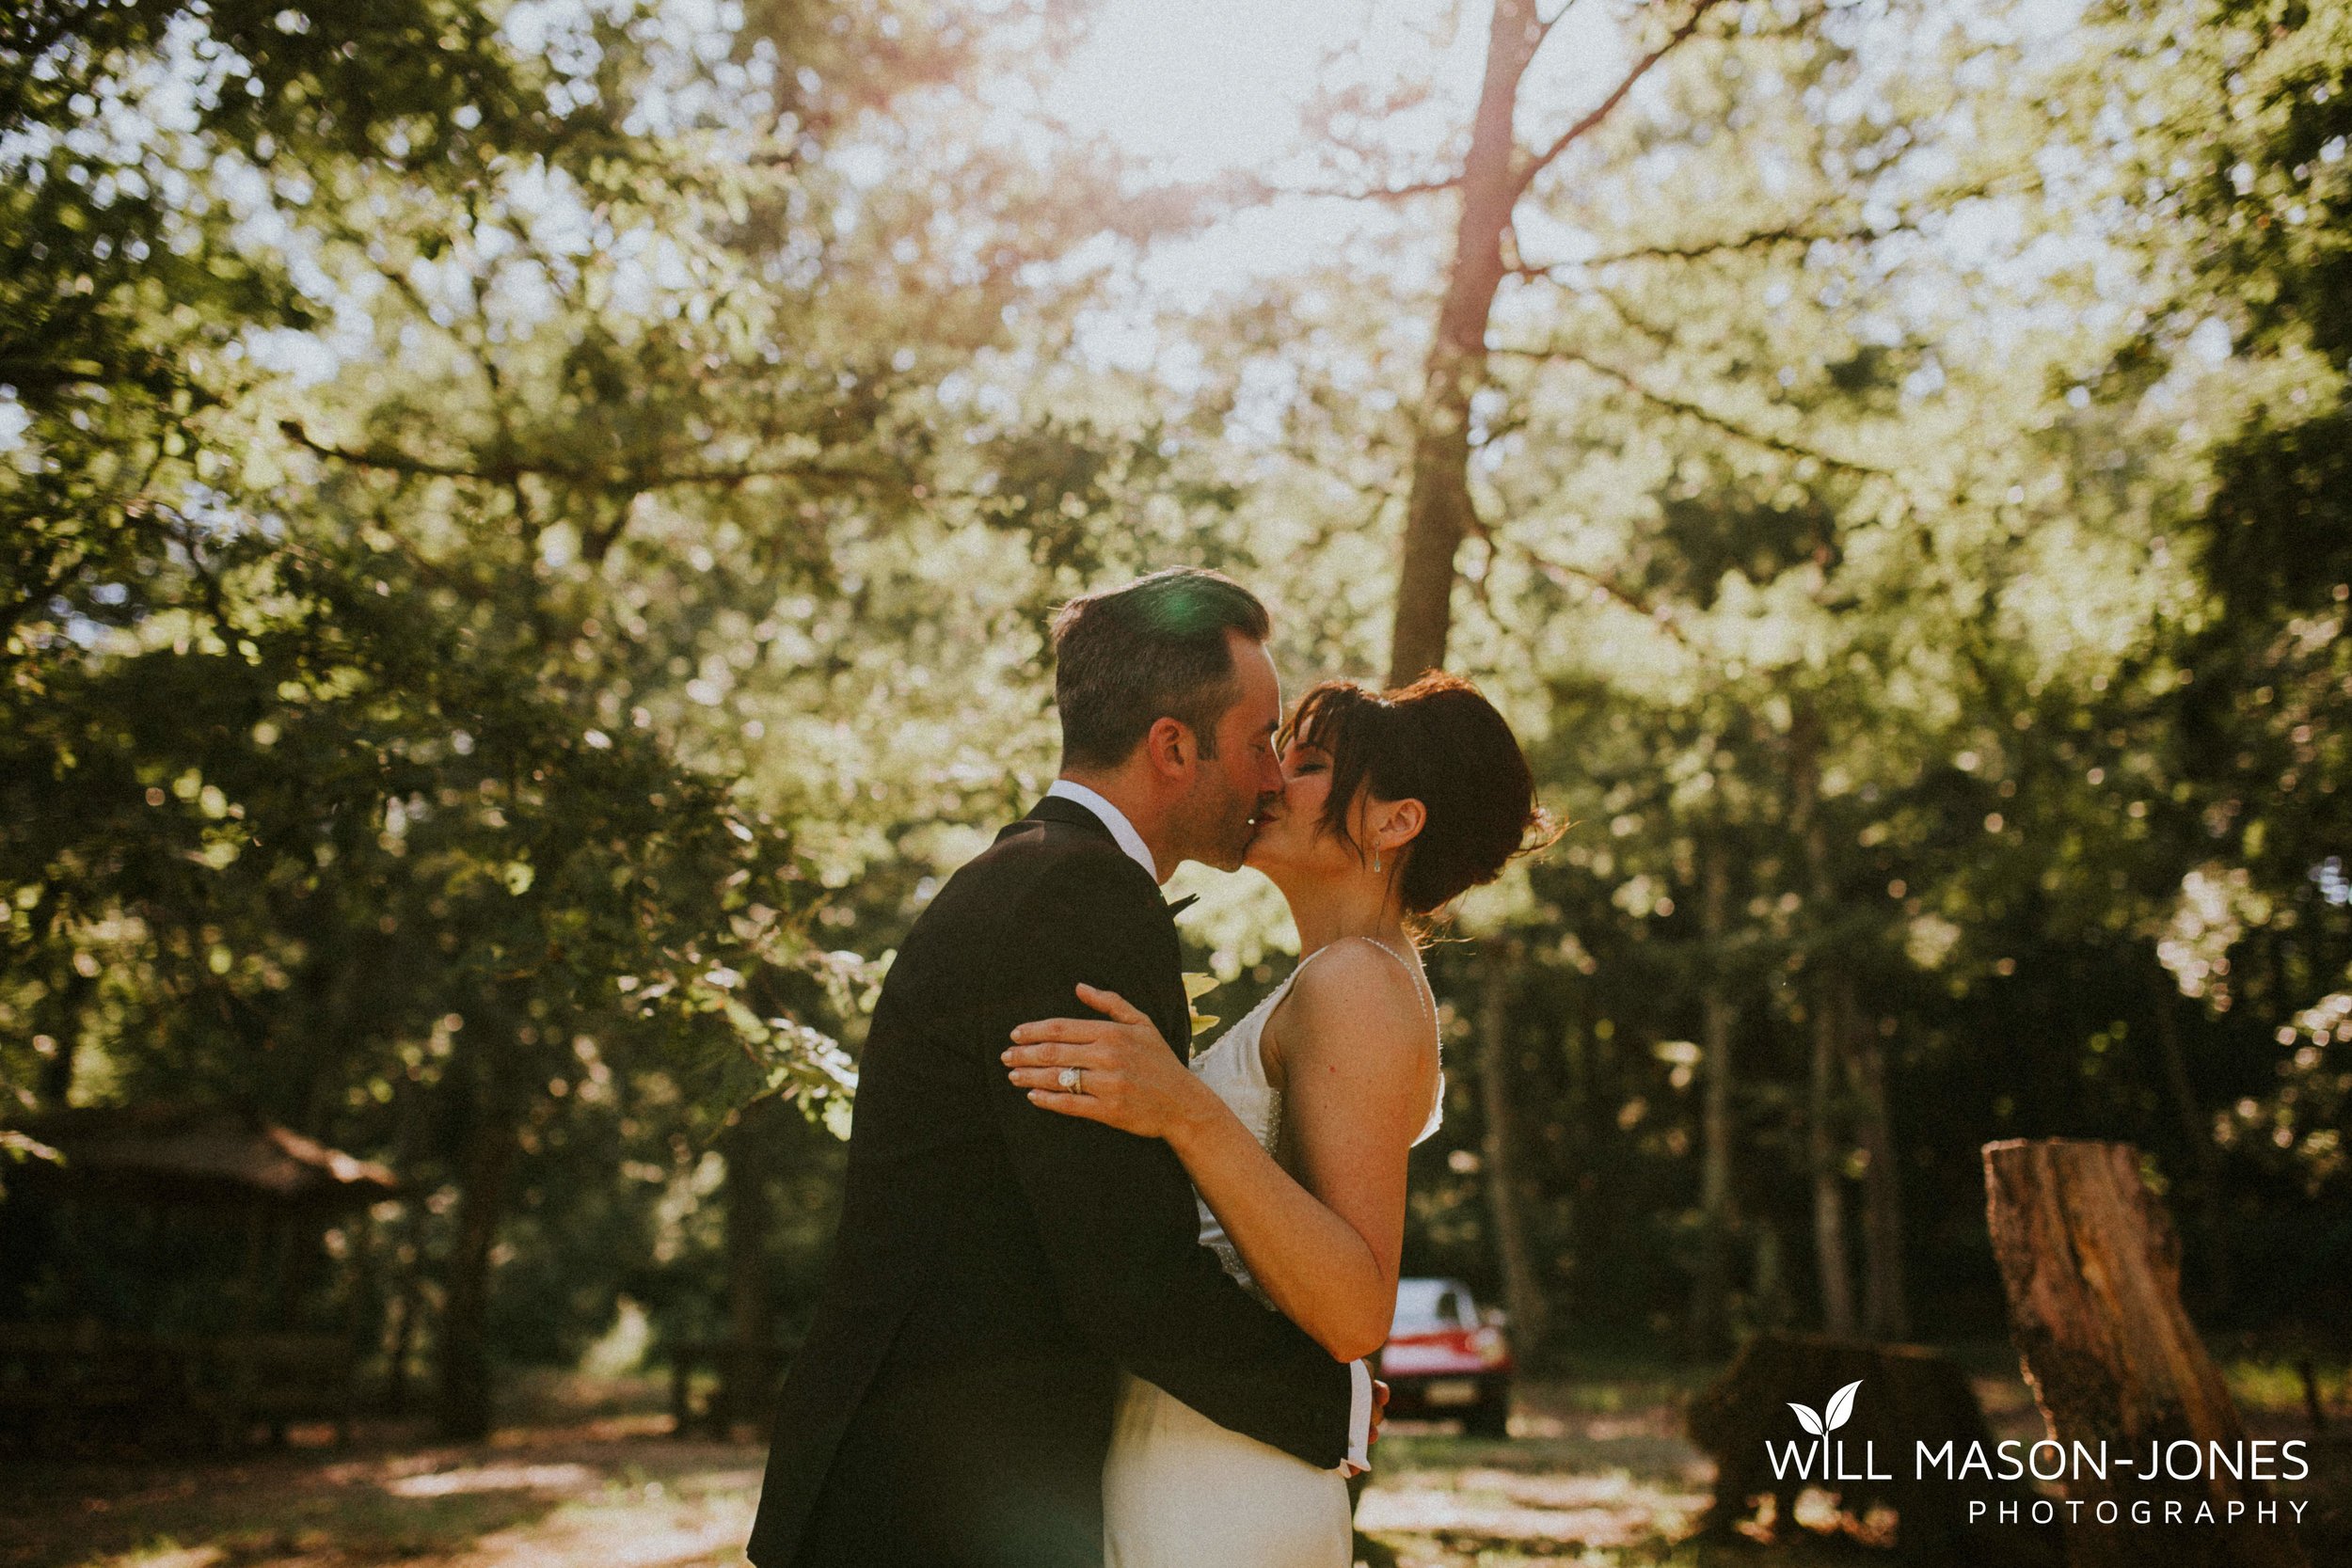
(2093, 1271)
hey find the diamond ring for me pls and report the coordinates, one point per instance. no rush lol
(1073, 1080)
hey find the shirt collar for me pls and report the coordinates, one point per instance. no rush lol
(1113, 818)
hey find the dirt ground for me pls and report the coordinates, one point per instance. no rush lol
(1596, 1473)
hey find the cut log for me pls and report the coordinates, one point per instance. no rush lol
(2091, 1266)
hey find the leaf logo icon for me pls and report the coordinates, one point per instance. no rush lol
(1805, 1419)
(1840, 1407)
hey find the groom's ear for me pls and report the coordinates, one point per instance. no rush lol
(1171, 747)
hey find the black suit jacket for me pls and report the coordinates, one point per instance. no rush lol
(997, 1264)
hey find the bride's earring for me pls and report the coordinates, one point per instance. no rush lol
(1375, 857)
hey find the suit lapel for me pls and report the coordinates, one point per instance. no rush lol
(1169, 1010)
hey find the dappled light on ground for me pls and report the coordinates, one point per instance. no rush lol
(610, 1495)
(488, 1478)
(1596, 1473)
(1613, 1510)
(1595, 1470)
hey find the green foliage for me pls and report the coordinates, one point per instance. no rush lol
(434, 438)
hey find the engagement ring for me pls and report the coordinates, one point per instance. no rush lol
(1074, 1079)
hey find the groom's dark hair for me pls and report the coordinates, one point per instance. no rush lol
(1126, 657)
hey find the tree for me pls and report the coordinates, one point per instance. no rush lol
(1494, 174)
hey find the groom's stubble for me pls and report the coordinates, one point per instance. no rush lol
(1219, 821)
(1217, 817)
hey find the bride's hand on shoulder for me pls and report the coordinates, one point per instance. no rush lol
(1127, 1076)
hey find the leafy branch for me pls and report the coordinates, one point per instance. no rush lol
(1696, 412)
(1601, 111)
(1762, 239)
(505, 472)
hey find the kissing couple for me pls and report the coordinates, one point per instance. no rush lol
(1090, 1304)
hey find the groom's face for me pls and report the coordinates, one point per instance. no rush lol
(1229, 787)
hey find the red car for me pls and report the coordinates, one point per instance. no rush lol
(1444, 1357)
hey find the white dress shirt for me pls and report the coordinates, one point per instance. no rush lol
(1359, 1375)
(1112, 818)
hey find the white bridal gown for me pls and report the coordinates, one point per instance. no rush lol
(1180, 1491)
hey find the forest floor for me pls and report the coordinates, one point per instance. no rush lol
(1596, 1472)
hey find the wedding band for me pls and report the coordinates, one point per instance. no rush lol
(1073, 1080)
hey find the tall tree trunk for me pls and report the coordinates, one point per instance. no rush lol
(2197, 1132)
(406, 1246)
(1844, 1039)
(1506, 1190)
(1565, 1238)
(56, 1083)
(1709, 1317)
(400, 1341)
(1496, 172)
(1438, 510)
(743, 1393)
(1829, 1196)
(464, 1394)
(1885, 1310)
(1768, 1281)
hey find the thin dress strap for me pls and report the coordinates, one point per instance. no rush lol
(1436, 1110)
(1410, 973)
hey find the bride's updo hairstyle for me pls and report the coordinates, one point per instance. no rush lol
(1437, 742)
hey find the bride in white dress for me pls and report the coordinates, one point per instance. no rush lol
(1295, 1126)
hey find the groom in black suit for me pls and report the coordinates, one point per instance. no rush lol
(998, 1264)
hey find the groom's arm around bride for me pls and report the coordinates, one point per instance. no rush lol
(1116, 1212)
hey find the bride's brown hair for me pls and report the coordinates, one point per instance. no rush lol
(1437, 741)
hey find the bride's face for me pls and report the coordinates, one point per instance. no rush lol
(1291, 836)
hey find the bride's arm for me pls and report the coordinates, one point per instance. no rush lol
(1357, 1072)
(1356, 1058)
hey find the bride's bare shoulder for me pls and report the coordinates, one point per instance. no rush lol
(1356, 997)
